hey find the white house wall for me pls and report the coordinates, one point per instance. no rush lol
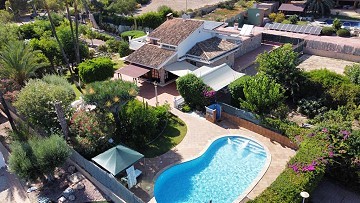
(195, 37)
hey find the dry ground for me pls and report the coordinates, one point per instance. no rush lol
(312, 62)
(177, 5)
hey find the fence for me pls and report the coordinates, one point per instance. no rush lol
(247, 120)
(105, 179)
(280, 39)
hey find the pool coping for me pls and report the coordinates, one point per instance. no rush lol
(249, 188)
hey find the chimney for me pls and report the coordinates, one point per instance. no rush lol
(169, 16)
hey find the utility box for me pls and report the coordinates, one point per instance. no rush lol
(213, 113)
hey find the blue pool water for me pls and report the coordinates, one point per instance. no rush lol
(221, 174)
(345, 23)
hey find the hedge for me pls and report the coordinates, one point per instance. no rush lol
(328, 31)
(343, 33)
(303, 173)
(97, 69)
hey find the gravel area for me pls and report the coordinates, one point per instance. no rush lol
(177, 5)
(312, 62)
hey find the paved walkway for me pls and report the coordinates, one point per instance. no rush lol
(11, 189)
(199, 135)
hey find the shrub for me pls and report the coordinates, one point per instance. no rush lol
(92, 130)
(103, 48)
(336, 24)
(344, 94)
(142, 1)
(124, 49)
(96, 69)
(113, 45)
(353, 73)
(191, 88)
(326, 78)
(186, 108)
(262, 94)
(311, 106)
(133, 34)
(164, 10)
(327, 31)
(272, 16)
(293, 19)
(286, 22)
(31, 160)
(36, 101)
(305, 170)
(236, 89)
(280, 17)
(343, 33)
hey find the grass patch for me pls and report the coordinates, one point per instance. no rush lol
(302, 22)
(173, 134)
(77, 91)
(119, 63)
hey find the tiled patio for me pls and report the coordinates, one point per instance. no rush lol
(200, 135)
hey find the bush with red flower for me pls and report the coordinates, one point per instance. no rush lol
(92, 130)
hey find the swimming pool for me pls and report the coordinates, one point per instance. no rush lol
(346, 23)
(224, 172)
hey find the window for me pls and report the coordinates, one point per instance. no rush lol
(168, 47)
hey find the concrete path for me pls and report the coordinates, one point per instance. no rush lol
(201, 133)
(11, 189)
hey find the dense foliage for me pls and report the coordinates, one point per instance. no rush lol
(319, 8)
(91, 129)
(96, 69)
(124, 49)
(236, 89)
(343, 33)
(281, 66)
(353, 73)
(262, 95)
(329, 31)
(336, 25)
(19, 62)
(38, 157)
(194, 91)
(305, 170)
(141, 123)
(36, 101)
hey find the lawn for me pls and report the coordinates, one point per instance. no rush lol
(342, 17)
(77, 91)
(173, 134)
(119, 63)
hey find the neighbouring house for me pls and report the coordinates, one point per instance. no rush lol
(182, 45)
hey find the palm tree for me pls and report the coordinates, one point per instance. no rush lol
(319, 7)
(19, 62)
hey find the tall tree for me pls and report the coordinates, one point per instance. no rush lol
(18, 62)
(77, 47)
(281, 65)
(319, 7)
(65, 58)
(73, 36)
(262, 94)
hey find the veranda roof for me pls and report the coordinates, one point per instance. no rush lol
(180, 68)
(132, 71)
(117, 159)
(217, 77)
(292, 7)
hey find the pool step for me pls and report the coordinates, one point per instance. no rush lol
(251, 146)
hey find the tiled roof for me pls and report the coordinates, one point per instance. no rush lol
(211, 48)
(175, 31)
(150, 56)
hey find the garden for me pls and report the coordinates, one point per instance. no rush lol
(45, 66)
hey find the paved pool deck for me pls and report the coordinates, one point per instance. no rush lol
(201, 133)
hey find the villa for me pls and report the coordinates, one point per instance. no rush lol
(181, 45)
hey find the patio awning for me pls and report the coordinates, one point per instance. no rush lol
(132, 71)
(217, 77)
(117, 159)
(180, 68)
